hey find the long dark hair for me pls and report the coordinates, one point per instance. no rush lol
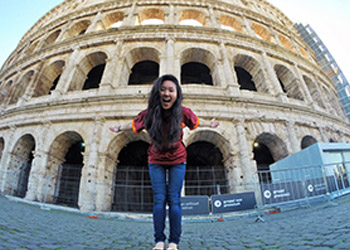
(156, 115)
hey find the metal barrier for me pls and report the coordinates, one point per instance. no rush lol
(132, 191)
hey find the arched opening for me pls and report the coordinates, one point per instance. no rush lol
(144, 72)
(151, 17)
(146, 61)
(262, 32)
(19, 89)
(199, 66)
(32, 47)
(51, 39)
(256, 75)
(307, 141)
(267, 149)
(205, 172)
(69, 174)
(89, 72)
(192, 18)
(245, 79)
(288, 81)
(113, 20)
(48, 79)
(231, 24)
(5, 91)
(314, 92)
(20, 166)
(264, 159)
(77, 29)
(286, 43)
(194, 72)
(63, 169)
(132, 186)
(94, 77)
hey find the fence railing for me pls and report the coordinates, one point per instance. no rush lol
(132, 190)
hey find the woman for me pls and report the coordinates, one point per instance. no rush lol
(164, 120)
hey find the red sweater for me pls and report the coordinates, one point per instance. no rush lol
(177, 153)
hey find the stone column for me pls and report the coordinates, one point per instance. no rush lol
(94, 23)
(88, 183)
(6, 161)
(67, 74)
(275, 86)
(292, 137)
(130, 20)
(302, 84)
(35, 177)
(29, 92)
(323, 134)
(247, 27)
(112, 72)
(170, 18)
(212, 17)
(105, 178)
(230, 77)
(249, 173)
(170, 57)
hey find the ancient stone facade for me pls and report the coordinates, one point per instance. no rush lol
(88, 64)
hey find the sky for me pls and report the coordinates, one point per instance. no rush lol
(329, 18)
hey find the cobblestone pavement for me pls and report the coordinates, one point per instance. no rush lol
(24, 226)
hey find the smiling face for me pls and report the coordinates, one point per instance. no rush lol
(168, 94)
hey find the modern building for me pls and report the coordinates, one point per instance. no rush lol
(328, 64)
(87, 65)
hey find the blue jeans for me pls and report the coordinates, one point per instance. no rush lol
(167, 192)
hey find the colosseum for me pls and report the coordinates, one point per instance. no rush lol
(87, 65)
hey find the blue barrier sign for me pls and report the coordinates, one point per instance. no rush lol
(315, 187)
(282, 192)
(195, 205)
(226, 203)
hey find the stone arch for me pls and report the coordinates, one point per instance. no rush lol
(92, 64)
(207, 152)
(332, 99)
(315, 94)
(64, 168)
(230, 23)
(112, 20)
(202, 60)
(77, 29)
(20, 164)
(262, 32)
(144, 72)
(267, 149)
(151, 16)
(51, 39)
(5, 91)
(251, 66)
(288, 81)
(192, 17)
(49, 78)
(286, 43)
(19, 89)
(307, 141)
(133, 189)
(303, 52)
(114, 151)
(136, 55)
(32, 47)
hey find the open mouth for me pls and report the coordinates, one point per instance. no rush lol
(166, 100)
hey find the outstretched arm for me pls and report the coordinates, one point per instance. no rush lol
(211, 124)
(122, 127)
